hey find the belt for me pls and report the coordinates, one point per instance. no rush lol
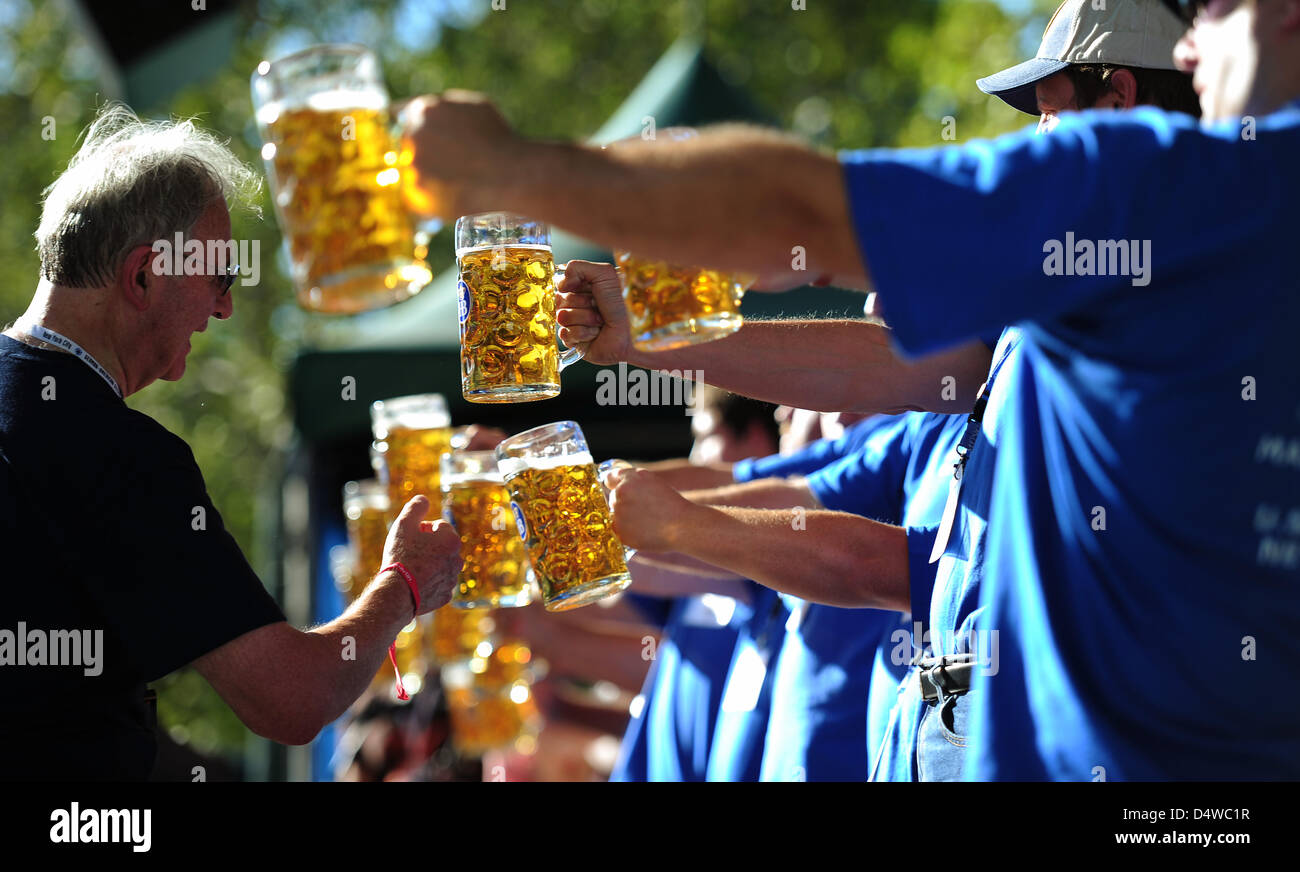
(942, 677)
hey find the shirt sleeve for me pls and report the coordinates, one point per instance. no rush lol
(958, 240)
(172, 582)
(812, 457)
(868, 482)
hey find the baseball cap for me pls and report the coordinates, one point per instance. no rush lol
(1131, 33)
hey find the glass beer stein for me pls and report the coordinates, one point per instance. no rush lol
(366, 507)
(491, 702)
(411, 435)
(508, 348)
(336, 179)
(670, 305)
(477, 504)
(457, 634)
(562, 515)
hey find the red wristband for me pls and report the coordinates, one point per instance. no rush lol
(415, 595)
(410, 581)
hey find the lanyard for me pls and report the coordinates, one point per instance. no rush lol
(964, 448)
(45, 334)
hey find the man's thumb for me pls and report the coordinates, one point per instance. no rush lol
(414, 511)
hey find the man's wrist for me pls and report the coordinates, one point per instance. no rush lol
(392, 586)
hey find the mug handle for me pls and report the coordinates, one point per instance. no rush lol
(568, 356)
(604, 467)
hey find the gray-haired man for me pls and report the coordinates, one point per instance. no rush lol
(119, 568)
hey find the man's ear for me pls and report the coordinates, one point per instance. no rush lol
(137, 276)
(1124, 89)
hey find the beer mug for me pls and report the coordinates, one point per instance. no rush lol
(411, 435)
(458, 634)
(476, 502)
(508, 347)
(338, 184)
(672, 306)
(366, 508)
(563, 517)
(491, 702)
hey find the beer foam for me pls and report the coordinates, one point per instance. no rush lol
(325, 101)
(491, 476)
(513, 246)
(512, 466)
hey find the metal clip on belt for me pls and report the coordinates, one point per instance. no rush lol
(942, 677)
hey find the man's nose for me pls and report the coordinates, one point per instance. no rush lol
(1185, 57)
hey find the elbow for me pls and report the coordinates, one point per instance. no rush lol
(286, 722)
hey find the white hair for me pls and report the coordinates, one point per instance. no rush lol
(130, 183)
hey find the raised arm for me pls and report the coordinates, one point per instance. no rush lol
(735, 197)
(826, 557)
(286, 684)
(827, 366)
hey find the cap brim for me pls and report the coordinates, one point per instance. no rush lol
(1016, 85)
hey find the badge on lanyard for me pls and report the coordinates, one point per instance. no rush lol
(968, 440)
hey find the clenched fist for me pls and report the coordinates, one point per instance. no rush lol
(591, 312)
(430, 550)
(455, 144)
(648, 514)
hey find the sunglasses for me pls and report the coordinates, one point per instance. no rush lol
(1190, 10)
(226, 280)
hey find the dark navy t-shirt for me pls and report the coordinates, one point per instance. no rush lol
(106, 528)
(1142, 562)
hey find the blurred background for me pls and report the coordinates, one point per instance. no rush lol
(261, 403)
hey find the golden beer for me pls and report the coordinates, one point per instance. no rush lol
(339, 179)
(565, 522)
(507, 334)
(413, 458)
(367, 525)
(491, 701)
(458, 633)
(495, 570)
(670, 306)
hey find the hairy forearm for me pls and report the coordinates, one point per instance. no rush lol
(736, 197)
(364, 631)
(763, 493)
(826, 557)
(830, 366)
(286, 684)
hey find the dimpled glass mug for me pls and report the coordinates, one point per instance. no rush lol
(508, 349)
(671, 305)
(563, 516)
(339, 180)
(495, 572)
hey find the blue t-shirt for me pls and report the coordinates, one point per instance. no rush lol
(838, 670)
(1141, 562)
(669, 739)
(813, 456)
(738, 737)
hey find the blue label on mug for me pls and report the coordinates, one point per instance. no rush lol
(462, 301)
(520, 523)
